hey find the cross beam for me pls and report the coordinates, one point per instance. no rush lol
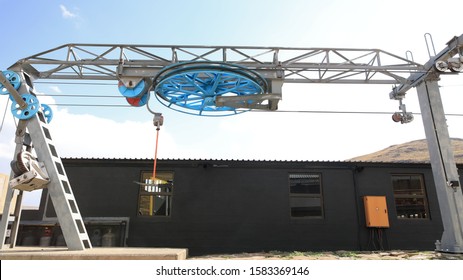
(293, 65)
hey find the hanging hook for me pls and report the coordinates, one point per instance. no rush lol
(158, 120)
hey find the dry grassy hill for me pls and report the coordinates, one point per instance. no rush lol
(414, 151)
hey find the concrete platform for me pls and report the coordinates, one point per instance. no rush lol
(114, 253)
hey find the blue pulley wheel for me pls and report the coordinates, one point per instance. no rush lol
(31, 109)
(193, 87)
(47, 112)
(136, 91)
(138, 101)
(14, 80)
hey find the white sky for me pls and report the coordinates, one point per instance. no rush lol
(394, 26)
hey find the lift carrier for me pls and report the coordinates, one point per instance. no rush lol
(217, 80)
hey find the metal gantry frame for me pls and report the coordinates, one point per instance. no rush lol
(306, 65)
(131, 64)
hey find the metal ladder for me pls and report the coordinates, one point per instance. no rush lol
(59, 188)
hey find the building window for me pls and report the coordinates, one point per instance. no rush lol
(410, 196)
(155, 196)
(305, 195)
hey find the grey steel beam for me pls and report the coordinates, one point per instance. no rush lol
(445, 173)
(320, 65)
(11, 194)
(59, 187)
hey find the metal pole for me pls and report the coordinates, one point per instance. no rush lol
(446, 179)
(11, 194)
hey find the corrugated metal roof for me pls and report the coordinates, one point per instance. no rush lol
(249, 160)
(205, 159)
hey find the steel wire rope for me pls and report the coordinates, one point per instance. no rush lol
(457, 85)
(4, 114)
(118, 96)
(76, 83)
(91, 105)
(148, 92)
(156, 153)
(78, 95)
(112, 84)
(340, 112)
(254, 110)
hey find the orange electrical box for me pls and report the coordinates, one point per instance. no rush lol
(376, 211)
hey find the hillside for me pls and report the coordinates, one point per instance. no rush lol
(414, 151)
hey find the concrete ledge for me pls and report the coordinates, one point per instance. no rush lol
(115, 253)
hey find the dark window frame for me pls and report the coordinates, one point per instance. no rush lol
(309, 195)
(412, 195)
(163, 192)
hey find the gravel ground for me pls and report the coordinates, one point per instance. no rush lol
(336, 255)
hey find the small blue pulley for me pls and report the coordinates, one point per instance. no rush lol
(14, 80)
(32, 108)
(138, 101)
(138, 91)
(47, 112)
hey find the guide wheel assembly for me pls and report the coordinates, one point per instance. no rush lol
(30, 174)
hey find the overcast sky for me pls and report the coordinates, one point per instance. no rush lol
(393, 26)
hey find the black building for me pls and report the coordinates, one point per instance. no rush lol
(225, 206)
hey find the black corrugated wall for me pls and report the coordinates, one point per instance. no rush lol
(243, 206)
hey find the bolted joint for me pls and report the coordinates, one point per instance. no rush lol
(403, 116)
(453, 184)
(395, 94)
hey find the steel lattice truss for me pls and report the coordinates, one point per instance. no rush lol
(294, 65)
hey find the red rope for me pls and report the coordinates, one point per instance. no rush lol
(155, 154)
